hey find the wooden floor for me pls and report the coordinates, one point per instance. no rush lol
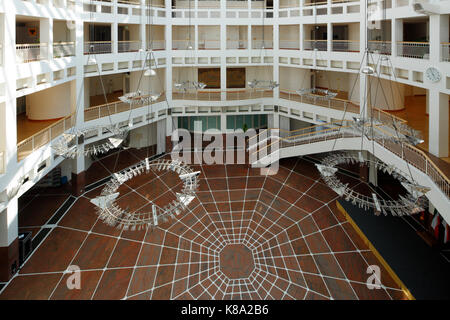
(26, 127)
(244, 236)
(415, 114)
(100, 99)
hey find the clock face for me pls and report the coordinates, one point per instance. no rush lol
(433, 74)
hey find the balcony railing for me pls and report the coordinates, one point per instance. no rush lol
(418, 50)
(108, 109)
(445, 51)
(337, 104)
(320, 45)
(209, 44)
(31, 52)
(2, 162)
(381, 47)
(216, 95)
(41, 138)
(260, 44)
(97, 47)
(129, 46)
(63, 49)
(237, 44)
(156, 45)
(181, 44)
(345, 45)
(290, 44)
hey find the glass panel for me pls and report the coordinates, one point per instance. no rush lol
(239, 122)
(230, 122)
(212, 122)
(256, 121)
(263, 120)
(248, 120)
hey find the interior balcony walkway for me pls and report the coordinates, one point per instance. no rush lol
(416, 116)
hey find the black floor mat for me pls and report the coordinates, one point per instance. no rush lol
(423, 270)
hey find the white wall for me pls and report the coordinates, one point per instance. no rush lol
(387, 94)
(51, 103)
(143, 136)
(208, 33)
(260, 73)
(113, 82)
(294, 78)
(153, 84)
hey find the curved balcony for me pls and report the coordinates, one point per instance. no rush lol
(107, 109)
(44, 136)
(225, 95)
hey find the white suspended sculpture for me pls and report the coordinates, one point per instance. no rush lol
(263, 84)
(393, 131)
(317, 93)
(411, 203)
(137, 97)
(189, 85)
(67, 144)
(113, 215)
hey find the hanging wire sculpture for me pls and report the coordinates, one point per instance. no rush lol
(412, 202)
(366, 125)
(71, 144)
(113, 215)
(108, 209)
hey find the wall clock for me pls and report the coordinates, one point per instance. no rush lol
(433, 74)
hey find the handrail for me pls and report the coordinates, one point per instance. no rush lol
(47, 135)
(95, 112)
(424, 163)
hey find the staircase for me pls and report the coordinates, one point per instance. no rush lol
(270, 145)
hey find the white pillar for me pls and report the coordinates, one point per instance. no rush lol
(115, 37)
(439, 31)
(285, 123)
(143, 27)
(8, 110)
(397, 36)
(46, 36)
(223, 122)
(329, 37)
(161, 136)
(9, 232)
(438, 125)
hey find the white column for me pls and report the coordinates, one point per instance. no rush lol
(438, 125)
(329, 37)
(439, 31)
(397, 36)
(46, 36)
(223, 59)
(273, 120)
(223, 122)
(143, 27)
(115, 37)
(161, 136)
(276, 55)
(8, 112)
(285, 123)
(9, 225)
